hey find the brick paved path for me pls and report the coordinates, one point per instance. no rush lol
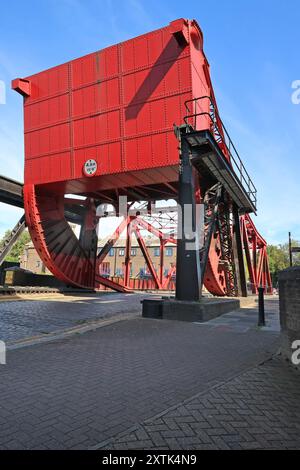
(81, 391)
(260, 409)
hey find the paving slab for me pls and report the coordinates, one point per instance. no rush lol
(259, 409)
(78, 392)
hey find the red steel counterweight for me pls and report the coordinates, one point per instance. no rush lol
(102, 126)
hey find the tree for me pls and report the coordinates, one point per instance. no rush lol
(18, 248)
(296, 256)
(279, 258)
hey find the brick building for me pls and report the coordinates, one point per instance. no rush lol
(30, 260)
(113, 264)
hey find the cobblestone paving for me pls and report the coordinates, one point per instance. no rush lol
(78, 392)
(260, 409)
(27, 318)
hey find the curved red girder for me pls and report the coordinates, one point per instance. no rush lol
(69, 260)
(74, 262)
(253, 232)
(255, 247)
(214, 278)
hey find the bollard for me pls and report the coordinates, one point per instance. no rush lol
(261, 307)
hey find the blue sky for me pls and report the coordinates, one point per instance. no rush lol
(252, 49)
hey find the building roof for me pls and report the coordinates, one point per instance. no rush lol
(121, 242)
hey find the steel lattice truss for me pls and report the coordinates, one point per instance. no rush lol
(218, 226)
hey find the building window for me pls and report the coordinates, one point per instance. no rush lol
(38, 263)
(105, 268)
(156, 252)
(111, 252)
(124, 269)
(121, 252)
(169, 251)
(133, 252)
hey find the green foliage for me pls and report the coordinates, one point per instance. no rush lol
(279, 258)
(18, 248)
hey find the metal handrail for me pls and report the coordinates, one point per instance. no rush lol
(235, 160)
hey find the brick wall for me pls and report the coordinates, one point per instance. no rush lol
(289, 297)
(114, 261)
(30, 260)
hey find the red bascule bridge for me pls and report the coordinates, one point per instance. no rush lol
(139, 120)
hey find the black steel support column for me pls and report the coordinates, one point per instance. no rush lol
(290, 250)
(188, 271)
(261, 307)
(238, 254)
(88, 237)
